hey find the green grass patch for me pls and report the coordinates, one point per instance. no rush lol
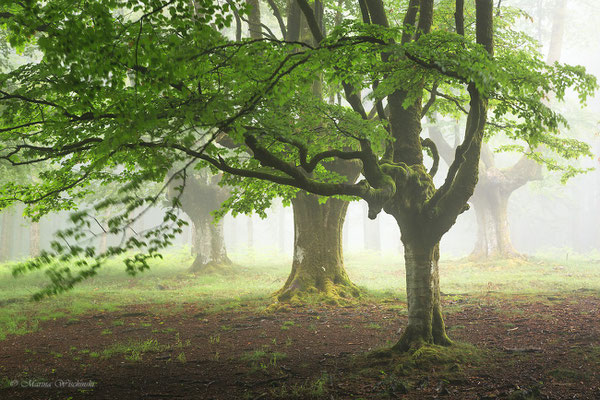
(381, 277)
(431, 361)
(287, 325)
(263, 358)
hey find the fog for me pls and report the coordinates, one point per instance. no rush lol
(544, 215)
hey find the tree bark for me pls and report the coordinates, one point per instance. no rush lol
(422, 230)
(254, 20)
(6, 235)
(34, 239)
(318, 265)
(209, 245)
(425, 319)
(201, 196)
(493, 231)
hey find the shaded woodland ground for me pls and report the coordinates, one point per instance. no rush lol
(524, 330)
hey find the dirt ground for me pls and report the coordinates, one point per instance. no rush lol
(536, 348)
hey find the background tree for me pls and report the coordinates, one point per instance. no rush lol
(318, 264)
(200, 197)
(495, 186)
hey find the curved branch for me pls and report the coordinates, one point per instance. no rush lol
(238, 21)
(277, 15)
(434, 152)
(268, 32)
(431, 101)
(311, 20)
(456, 101)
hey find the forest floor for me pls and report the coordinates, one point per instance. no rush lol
(541, 344)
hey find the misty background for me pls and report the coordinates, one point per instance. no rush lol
(545, 216)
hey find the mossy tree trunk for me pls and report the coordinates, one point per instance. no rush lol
(318, 264)
(490, 201)
(202, 195)
(425, 320)
(209, 244)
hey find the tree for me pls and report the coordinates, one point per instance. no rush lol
(318, 265)
(270, 110)
(201, 196)
(6, 235)
(495, 186)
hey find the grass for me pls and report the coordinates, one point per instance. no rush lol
(313, 389)
(263, 358)
(287, 325)
(134, 350)
(400, 371)
(251, 282)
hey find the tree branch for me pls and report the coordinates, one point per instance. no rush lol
(311, 20)
(431, 100)
(434, 152)
(277, 15)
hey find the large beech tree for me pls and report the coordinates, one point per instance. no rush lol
(193, 86)
(318, 262)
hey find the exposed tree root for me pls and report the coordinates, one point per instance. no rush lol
(213, 267)
(301, 291)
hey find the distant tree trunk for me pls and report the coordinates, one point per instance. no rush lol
(318, 265)
(281, 228)
(490, 201)
(250, 229)
(209, 245)
(200, 197)
(6, 235)
(34, 239)
(493, 232)
(254, 20)
(104, 237)
(495, 187)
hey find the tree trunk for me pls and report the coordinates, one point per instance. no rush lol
(5, 235)
(201, 195)
(318, 265)
(254, 20)
(209, 245)
(493, 231)
(34, 239)
(425, 319)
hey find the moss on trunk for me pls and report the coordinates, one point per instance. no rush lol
(493, 230)
(202, 195)
(425, 319)
(318, 266)
(209, 247)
